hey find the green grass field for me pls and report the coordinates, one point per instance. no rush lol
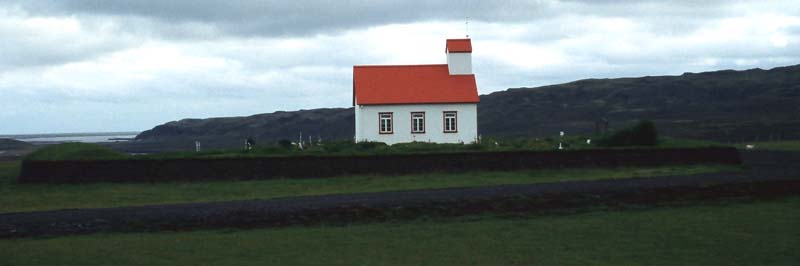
(75, 151)
(88, 151)
(16, 197)
(733, 233)
(788, 145)
(9, 170)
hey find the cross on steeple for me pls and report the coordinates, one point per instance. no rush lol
(466, 24)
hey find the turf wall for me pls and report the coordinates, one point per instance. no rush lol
(152, 170)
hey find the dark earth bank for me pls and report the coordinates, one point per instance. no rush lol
(161, 170)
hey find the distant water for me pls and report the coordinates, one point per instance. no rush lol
(93, 137)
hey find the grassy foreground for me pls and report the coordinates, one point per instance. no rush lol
(755, 233)
(16, 197)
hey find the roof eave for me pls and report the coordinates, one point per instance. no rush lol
(422, 103)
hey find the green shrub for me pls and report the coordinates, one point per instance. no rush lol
(370, 146)
(271, 149)
(475, 147)
(343, 146)
(286, 144)
(643, 133)
(75, 151)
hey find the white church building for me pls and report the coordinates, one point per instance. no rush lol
(426, 103)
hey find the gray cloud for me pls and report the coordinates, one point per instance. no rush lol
(204, 18)
(129, 65)
(46, 41)
(281, 18)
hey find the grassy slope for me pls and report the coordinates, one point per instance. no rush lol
(29, 197)
(88, 151)
(789, 145)
(75, 151)
(759, 233)
(8, 171)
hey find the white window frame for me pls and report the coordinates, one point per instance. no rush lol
(447, 126)
(417, 122)
(385, 123)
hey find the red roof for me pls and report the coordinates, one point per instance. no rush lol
(411, 84)
(459, 46)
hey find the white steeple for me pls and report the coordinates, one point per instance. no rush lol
(459, 56)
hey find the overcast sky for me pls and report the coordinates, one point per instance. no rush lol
(96, 65)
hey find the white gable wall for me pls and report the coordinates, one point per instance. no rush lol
(367, 123)
(459, 63)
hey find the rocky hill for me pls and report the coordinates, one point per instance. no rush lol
(723, 105)
(330, 123)
(12, 144)
(11, 149)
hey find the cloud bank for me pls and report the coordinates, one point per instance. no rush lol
(77, 66)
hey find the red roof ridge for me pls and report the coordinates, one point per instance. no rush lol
(458, 45)
(416, 65)
(415, 83)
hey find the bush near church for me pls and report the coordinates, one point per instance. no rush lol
(643, 133)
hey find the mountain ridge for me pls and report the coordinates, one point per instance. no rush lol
(723, 105)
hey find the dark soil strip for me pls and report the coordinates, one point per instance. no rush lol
(160, 170)
(771, 175)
